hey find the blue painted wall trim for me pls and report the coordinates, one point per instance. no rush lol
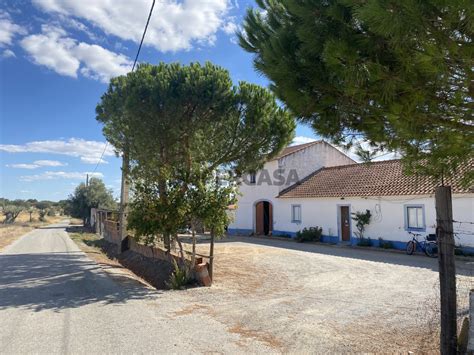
(335, 239)
(239, 231)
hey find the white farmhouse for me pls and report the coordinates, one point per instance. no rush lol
(314, 184)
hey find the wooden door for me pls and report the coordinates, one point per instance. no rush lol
(345, 223)
(259, 226)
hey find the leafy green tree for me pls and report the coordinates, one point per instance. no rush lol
(95, 195)
(178, 124)
(398, 73)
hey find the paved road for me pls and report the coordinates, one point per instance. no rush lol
(53, 299)
(269, 296)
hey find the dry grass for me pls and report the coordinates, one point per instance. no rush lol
(11, 232)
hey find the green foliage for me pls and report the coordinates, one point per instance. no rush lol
(364, 242)
(179, 125)
(311, 234)
(51, 212)
(362, 219)
(397, 73)
(179, 278)
(11, 212)
(42, 215)
(386, 244)
(85, 197)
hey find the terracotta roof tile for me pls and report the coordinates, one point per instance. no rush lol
(385, 178)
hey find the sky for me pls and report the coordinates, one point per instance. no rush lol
(56, 58)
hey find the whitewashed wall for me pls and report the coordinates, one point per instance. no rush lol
(312, 158)
(388, 216)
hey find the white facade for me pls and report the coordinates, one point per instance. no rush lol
(388, 212)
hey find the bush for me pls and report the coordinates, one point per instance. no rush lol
(42, 215)
(51, 213)
(311, 234)
(386, 244)
(364, 242)
(179, 278)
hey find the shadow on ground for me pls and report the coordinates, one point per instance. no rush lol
(59, 280)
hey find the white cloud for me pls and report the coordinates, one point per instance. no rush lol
(53, 49)
(88, 151)
(230, 28)
(8, 53)
(54, 175)
(37, 164)
(8, 29)
(49, 163)
(174, 25)
(23, 166)
(302, 140)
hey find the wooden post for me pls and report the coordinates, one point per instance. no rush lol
(124, 192)
(447, 270)
(211, 257)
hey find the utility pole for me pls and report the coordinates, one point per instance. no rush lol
(124, 192)
(447, 270)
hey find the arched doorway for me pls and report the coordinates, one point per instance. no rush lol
(263, 218)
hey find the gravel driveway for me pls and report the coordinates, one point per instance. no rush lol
(268, 296)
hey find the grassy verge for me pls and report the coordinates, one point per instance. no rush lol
(11, 232)
(94, 246)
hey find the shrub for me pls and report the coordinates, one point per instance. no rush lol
(386, 244)
(364, 242)
(179, 278)
(42, 215)
(51, 213)
(311, 234)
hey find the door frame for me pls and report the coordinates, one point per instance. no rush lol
(254, 215)
(339, 231)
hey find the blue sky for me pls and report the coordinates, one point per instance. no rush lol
(56, 57)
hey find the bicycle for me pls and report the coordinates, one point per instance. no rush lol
(429, 245)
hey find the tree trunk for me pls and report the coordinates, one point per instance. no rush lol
(447, 270)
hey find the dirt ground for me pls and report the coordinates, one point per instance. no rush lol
(288, 297)
(295, 297)
(11, 232)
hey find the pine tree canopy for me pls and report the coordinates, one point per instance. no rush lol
(399, 73)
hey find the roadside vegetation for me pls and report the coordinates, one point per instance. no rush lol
(24, 223)
(185, 133)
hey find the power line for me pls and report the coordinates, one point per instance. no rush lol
(101, 156)
(144, 33)
(133, 68)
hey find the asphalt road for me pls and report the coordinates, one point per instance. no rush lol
(53, 299)
(268, 296)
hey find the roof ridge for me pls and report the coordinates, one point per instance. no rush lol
(361, 164)
(301, 146)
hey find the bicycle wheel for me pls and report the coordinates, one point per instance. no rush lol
(411, 247)
(431, 249)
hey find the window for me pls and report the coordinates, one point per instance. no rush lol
(414, 217)
(253, 178)
(296, 213)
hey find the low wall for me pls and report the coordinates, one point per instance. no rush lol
(111, 232)
(152, 252)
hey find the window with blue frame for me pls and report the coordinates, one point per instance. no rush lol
(296, 213)
(414, 217)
